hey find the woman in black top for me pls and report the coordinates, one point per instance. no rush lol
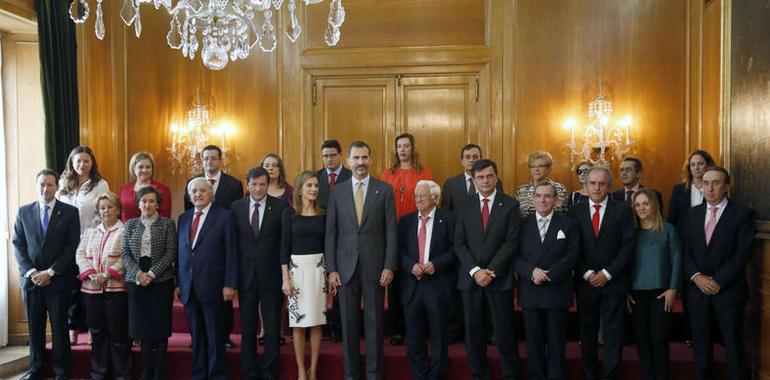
(302, 262)
(581, 194)
(689, 193)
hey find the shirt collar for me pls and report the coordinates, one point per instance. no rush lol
(149, 221)
(365, 181)
(216, 177)
(467, 176)
(431, 214)
(591, 202)
(549, 216)
(205, 209)
(337, 172)
(721, 204)
(50, 204)
(262, 202)
(635, 188)
(491, 197)
(114, 227)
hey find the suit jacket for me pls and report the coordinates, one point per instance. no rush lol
(612, 250)
(620, 196)
(213, 263)
(494, 249)
(679, 205)
(229, 190)
(163, 248)
(323, 184)
(727, 254)
(259, 257)
(456, 191)
(441, 255)
(558, 255)
(372, 246)
(55, 250)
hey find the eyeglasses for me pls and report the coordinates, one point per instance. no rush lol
(627, 170)
(539, 166)
(581, 171)
(327, 156)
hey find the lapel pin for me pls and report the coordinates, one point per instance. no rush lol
(441, 221)
(500, 204)
(269, 208)
(376, 191)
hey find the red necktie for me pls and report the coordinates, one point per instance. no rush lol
(212, 181)
(485, 214)
(712, 222)
(332, 180)
(194, 227)
(422, 236)
(595, 220)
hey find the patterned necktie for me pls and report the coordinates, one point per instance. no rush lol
(45, 219)
(629, 193)
(255, 220)
(485, 214)
(422, 237)
(711, 224)
(194, 227)
(595, 219)
(542, 223)
(332, 180)
(471, 187)
(359, 202)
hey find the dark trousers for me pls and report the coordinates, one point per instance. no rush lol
(75, 310)
(39, 304)
(107, 320)
(427, 309)
(729, 318)
(271, 304)
(591, 304)
(501, 312)
(229, 319)
(333, 327)
(455, 312)
(651, 323)
(350, 311)
(546, 325)
(154, 358)
(208, 345)
(394, 316)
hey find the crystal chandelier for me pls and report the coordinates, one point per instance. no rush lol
(601, 136)
(187, 142)
(223, 30)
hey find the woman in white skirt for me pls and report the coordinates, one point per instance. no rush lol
(302, 262)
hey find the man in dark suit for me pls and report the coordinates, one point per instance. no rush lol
(630, 176)
(486, 242)
(257, 221)
(45, 237)
(207, 277)
(227, 189)
(332, 173)
(361, 257)
(549, 250)
(427, 259)
(606, 228)
(717, 242)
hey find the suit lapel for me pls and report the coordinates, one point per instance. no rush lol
(265, 216)
(495, 212)
(437, 231)
(34, 217)
(54, 221)
(700, 229)
(210, 218)
(608, 213)
(550, 235)
(372, 192)
(723, 221)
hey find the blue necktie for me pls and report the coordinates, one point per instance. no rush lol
(44, 222)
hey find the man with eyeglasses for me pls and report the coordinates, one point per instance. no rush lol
(630, 175)
(333, 172)
(227, 189)
(539, 168)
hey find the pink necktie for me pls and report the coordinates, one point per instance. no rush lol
(712, 222)
(422, 236)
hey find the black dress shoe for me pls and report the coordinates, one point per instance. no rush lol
(229, 344)
(282, 341)
(335, 336)
(688, 343)
(397, 340)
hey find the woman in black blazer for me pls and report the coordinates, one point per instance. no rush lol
(682, 197)
(148, 253)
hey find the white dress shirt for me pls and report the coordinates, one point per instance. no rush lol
(468, 181)
(200, 223)
(365, 184)
(252, 204)
(591, 211)
(428, 232)
(84, 200)
(696, 196)
(216, 179)
(491, 198)
(722, 205)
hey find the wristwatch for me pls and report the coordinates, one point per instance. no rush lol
(50, 272)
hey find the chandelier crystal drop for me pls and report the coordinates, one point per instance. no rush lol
(222, 30)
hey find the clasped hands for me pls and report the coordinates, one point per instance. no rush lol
(707, 284)
(40, 278)
(484, 277)
(597, 279)
(540, 276)
(386, 277)
(228, 293)
(420, 270)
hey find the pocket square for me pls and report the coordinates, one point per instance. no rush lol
(560, 235)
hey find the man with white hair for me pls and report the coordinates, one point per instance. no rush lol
(427, 260)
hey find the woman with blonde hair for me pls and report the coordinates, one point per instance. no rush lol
(104, 291)
(656, 274)
(141, 170)
(302, 263)
(581, 171)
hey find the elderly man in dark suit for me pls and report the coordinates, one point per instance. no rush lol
(361, 257)
(630, 176)
(257, 221)
(486, 242)
(427, 259)
(606, 228)
(45, 237)
(227, 189)
(717, 241)
(207, 277)
(549, 250)
(334, 172)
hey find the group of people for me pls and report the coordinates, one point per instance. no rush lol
(346, 249)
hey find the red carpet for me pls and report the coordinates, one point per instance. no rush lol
(396, 364)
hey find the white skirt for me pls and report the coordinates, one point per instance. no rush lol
(307, 303)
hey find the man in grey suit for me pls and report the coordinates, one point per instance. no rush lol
(361, 213)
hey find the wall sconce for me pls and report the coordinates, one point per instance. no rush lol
(188, 141)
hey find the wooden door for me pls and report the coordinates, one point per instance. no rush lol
(442, 113)
(349, 109)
